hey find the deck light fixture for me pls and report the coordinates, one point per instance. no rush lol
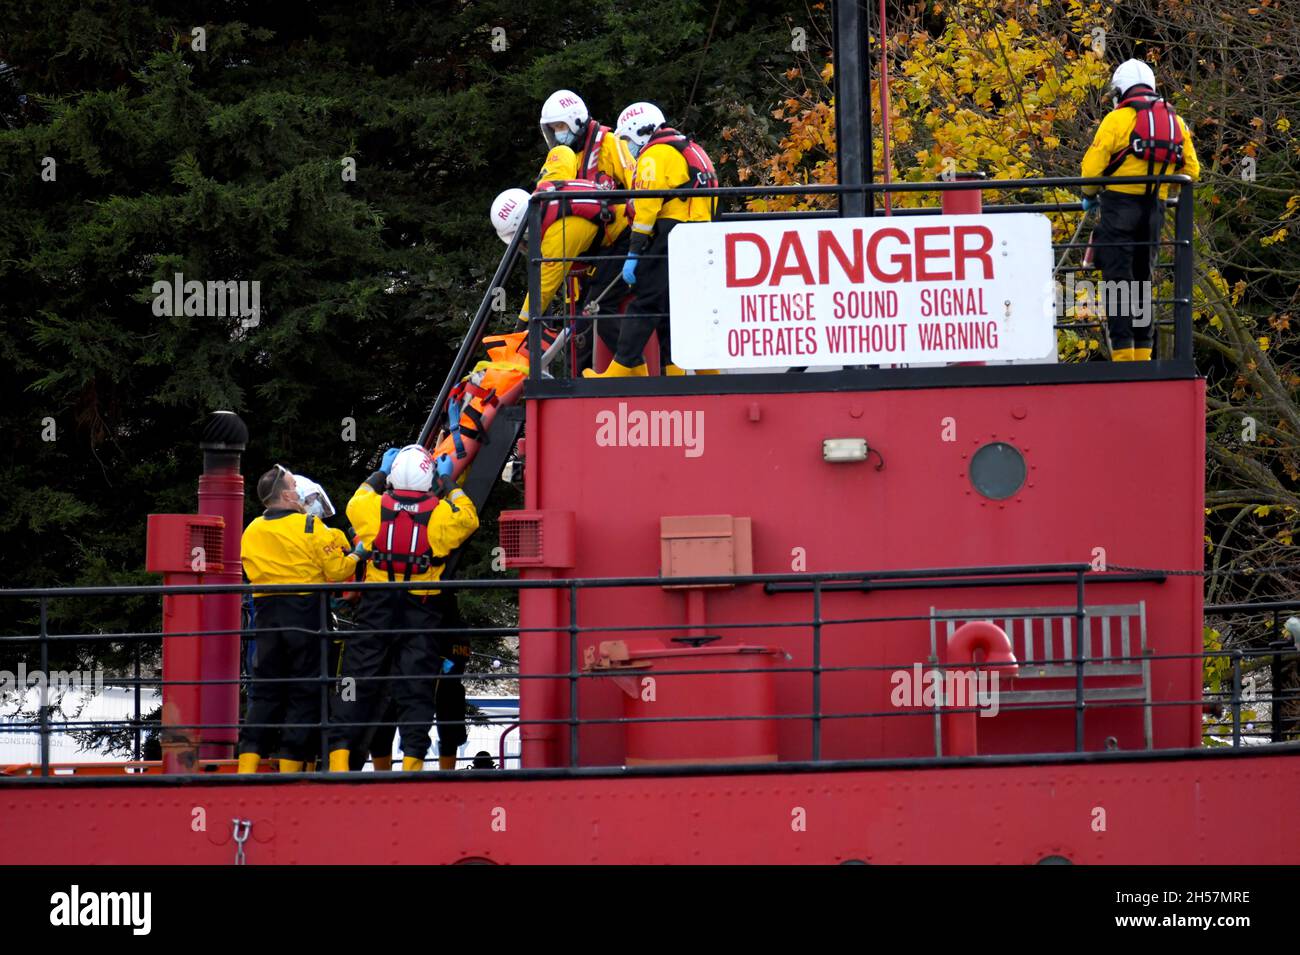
(844, 450)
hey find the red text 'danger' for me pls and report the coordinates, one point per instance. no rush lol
(947, 253)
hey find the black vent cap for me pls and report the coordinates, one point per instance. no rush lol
(224, 431)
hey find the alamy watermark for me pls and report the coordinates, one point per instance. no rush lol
(964, 689)
(651, 429)
(1132, 298)
(133, 910)
(56, 681)
(176, 296)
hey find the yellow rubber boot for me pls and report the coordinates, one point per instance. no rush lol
(290, 766)
(412, 765)
(615, 370)
(339, 760)
(1142, 354)
(446, 762)
(673, 371)
(1121, 354)
(382, 764)
(248, 762)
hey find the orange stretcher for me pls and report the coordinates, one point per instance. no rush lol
(474, 402)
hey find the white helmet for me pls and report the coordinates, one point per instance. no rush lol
(313, 497)
(1129, 74)
(637, 124)
(508, 211)
(412, 469)
(563, 106)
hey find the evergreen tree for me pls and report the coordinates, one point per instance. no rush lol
(218, 141)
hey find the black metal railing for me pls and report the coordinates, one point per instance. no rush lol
(1256, 639)
(1177, 318)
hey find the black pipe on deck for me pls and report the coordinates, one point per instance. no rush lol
(852, 108)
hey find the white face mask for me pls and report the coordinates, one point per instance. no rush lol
(564, 136)
(315, 508)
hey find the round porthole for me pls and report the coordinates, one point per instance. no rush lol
(998, 470)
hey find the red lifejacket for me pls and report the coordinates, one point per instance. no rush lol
(585, 202)
(702, 174)
(589, 168)
(1157, 136)
(402, 544)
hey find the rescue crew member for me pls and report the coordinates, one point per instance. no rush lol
(665, 159)
(583, 223)
(1142, 136)
(579, 224)
(287, 545)
(449, 694)
(316, 502)
(601, 157)
(410, 532)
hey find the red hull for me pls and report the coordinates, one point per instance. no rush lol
(1184, 811)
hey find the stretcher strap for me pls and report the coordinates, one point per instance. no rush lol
(477, 432)
(453, 425)
(475, 390)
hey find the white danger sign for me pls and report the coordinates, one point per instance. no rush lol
(862, 291)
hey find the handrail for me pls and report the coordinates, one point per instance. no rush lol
(985, 185)
(548, 583)
(817, 668)
(467, 347)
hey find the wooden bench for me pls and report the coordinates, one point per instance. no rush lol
(1043, 638)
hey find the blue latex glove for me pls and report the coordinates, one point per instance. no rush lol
(1090, 203)
(629, 269)
(386, 465)
(445, 468)
(447, 665)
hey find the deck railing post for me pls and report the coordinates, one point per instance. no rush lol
(573, 674)
(45, 689)
(1275, 675)
(1236, 698)
(137, 752)
(1183, 273)
(323, 635)
(817, 671)
(1081, 638)
(534, 274)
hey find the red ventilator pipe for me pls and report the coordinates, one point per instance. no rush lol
(221, 492)
(977, 642)
(963, 202)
